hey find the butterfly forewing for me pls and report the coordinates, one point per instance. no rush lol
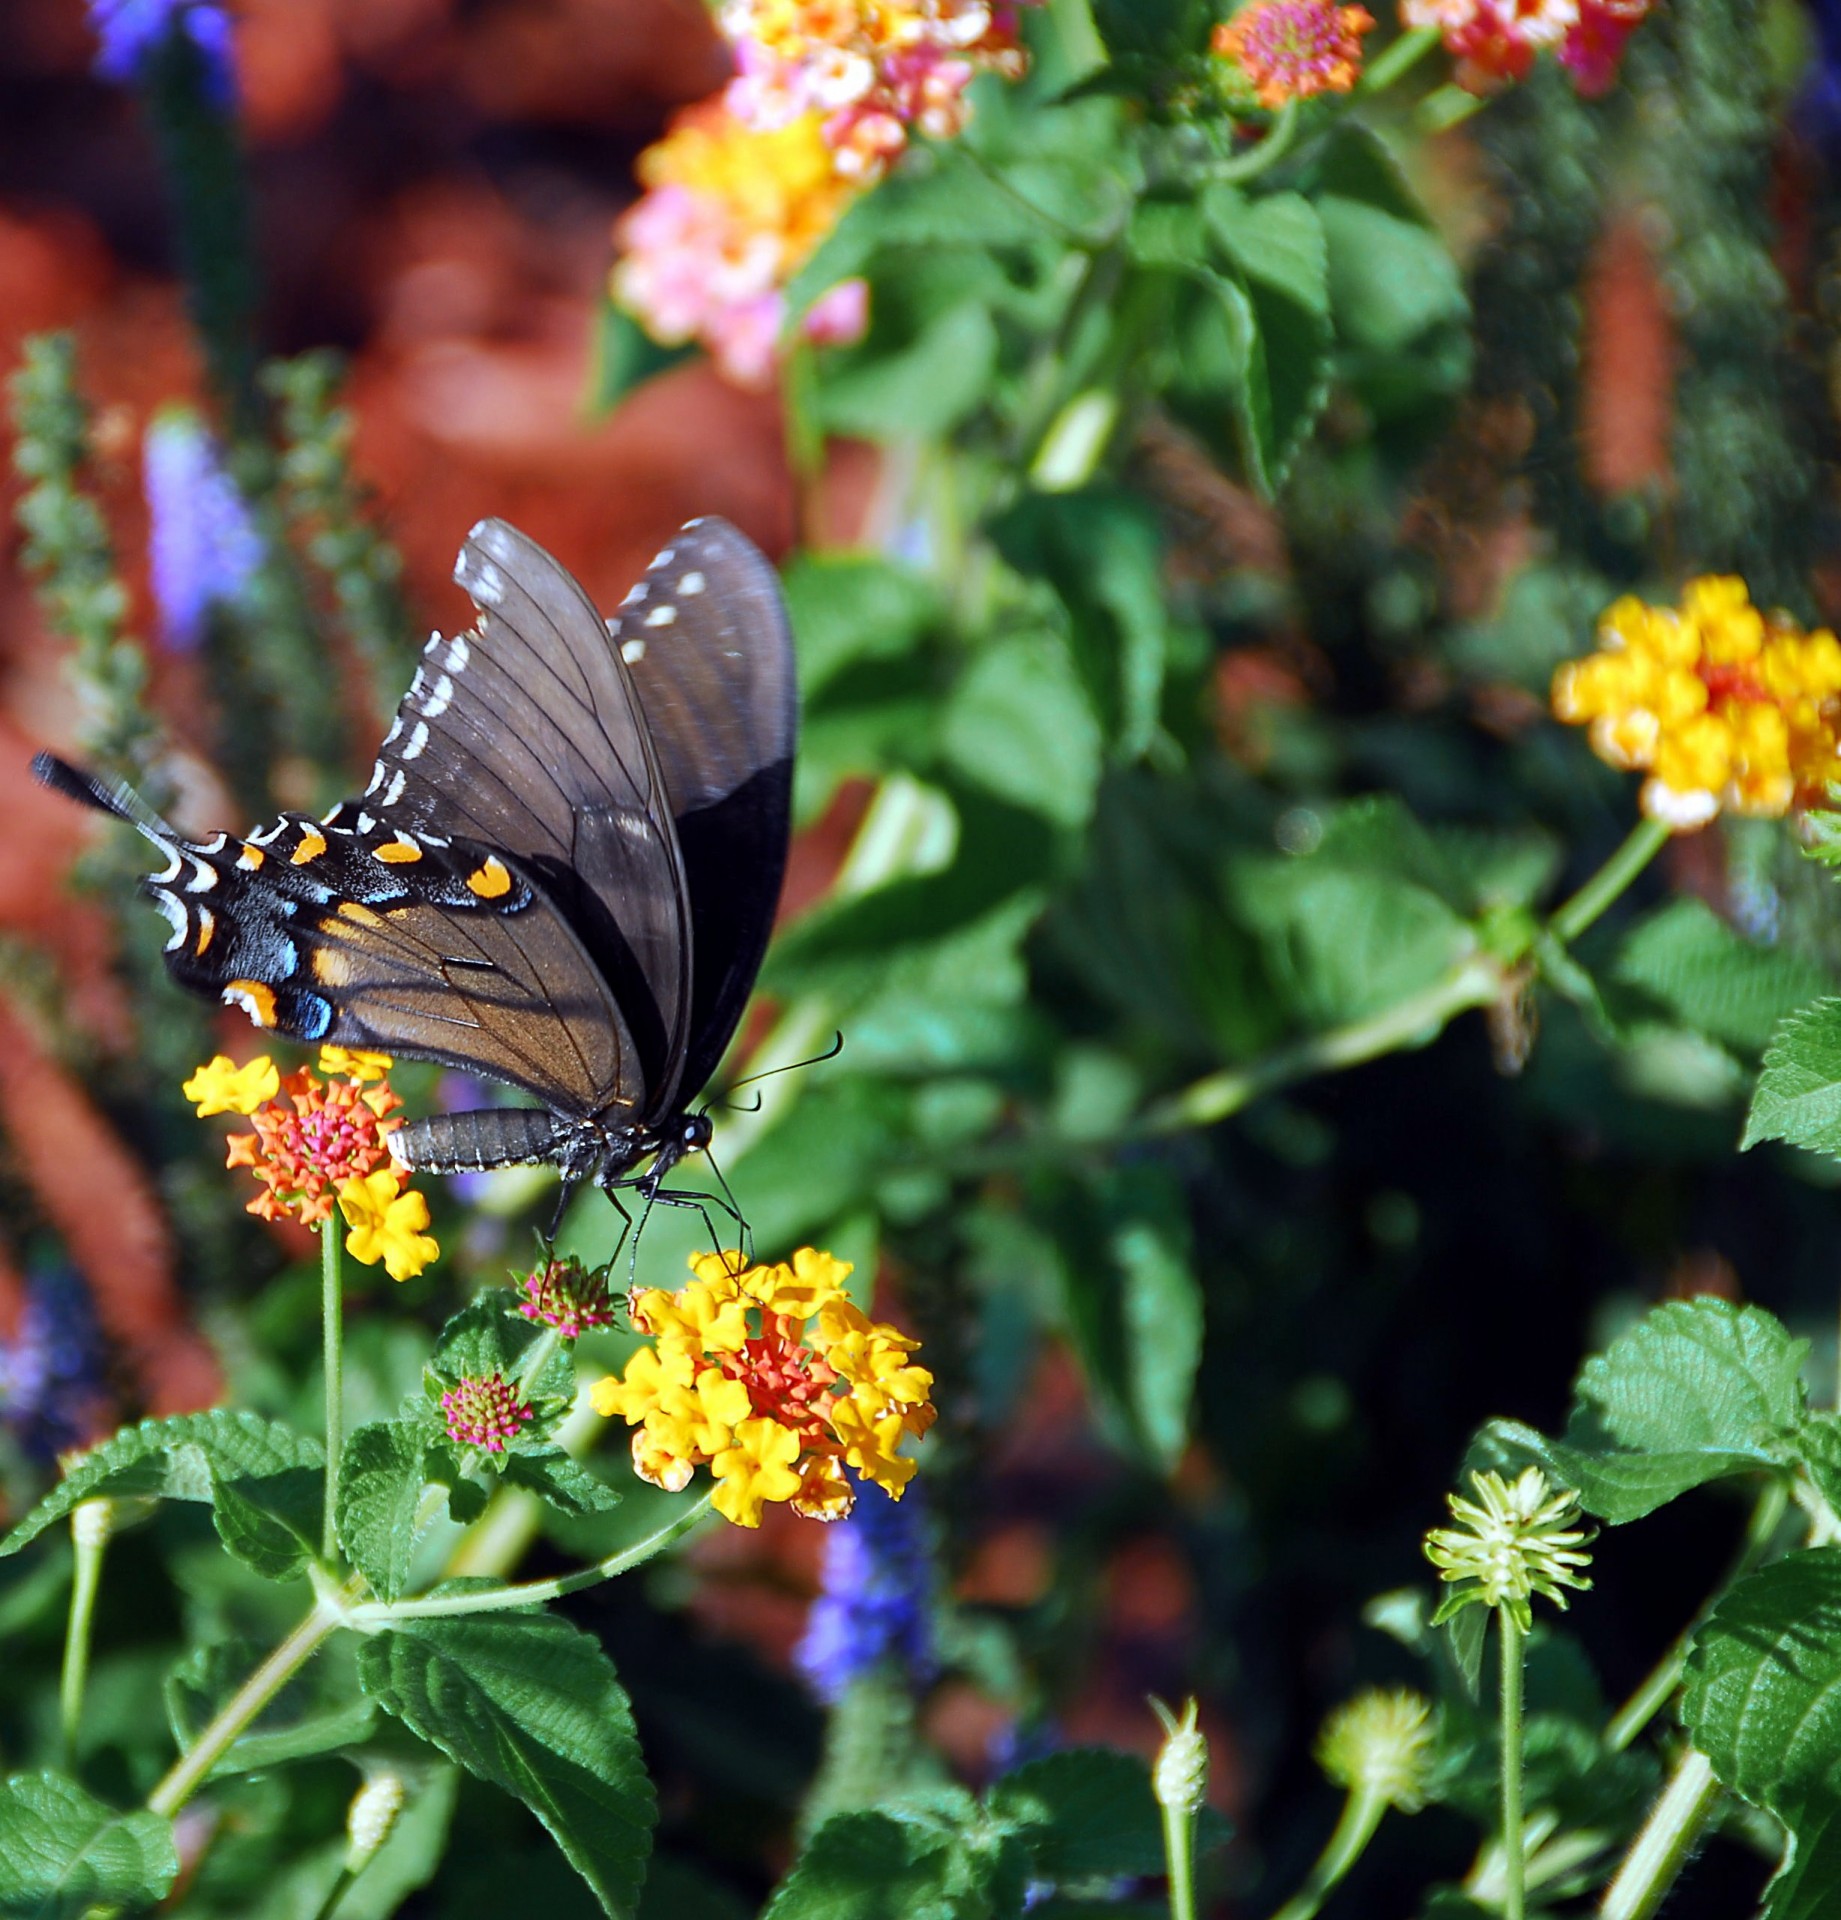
(526, 735)
(705, 638)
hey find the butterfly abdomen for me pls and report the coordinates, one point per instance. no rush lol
(471, 1142)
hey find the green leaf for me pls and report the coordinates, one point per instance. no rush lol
(1613, 1486)
(184, 1457)
(563, 1482)
(1391, 280)
(532, 1705)
(1763, 1695)
(271, 1524)
(1803, 1887)
(1344, 944)
(490, 1335)
(901, 385)
(625, 356)
(1163, 1327)
(871, 1866)
(318, 1711)
(846, 609)
(1020, 727)
(1799, 1092)
(1088, 1814)
(1102, 551)
(1712, 978)
(938, 197)
(1150, 28)
(381, 1477)
(63, 1852)
(1696, 1374)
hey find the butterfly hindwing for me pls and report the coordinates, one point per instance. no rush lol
(412, 944)
(705, 638)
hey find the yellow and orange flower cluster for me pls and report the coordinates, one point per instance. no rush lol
(1723, 706)
(318, 1143)
(772, 1377)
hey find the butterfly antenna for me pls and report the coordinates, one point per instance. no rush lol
(736, 1106)
(818, 1059)
(113, 797)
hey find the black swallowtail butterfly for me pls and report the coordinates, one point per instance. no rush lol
(563, 871)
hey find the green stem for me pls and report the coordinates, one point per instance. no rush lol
(334, 1894)
(193, 1767)
(1514, 1863)
(1647, 1701)
(332, 1320)
(1361, 1817)
(1474, 982)
(1179, 1857)
(1659, 1852)
(371, 1615)
(1397, 58)
(89, 1532)
(1279, 140)
(1644, 841)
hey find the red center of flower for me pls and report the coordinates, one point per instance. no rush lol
(1730, 683)
(787, 1382)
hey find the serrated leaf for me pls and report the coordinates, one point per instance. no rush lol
(1696, 1374)
(532, 1705)
(381, 1479)
(489, 1334)
(1712, 978)
(625, 357)
(63, 1852)
(1614, 1486)
(871, 1866)
(1087, 1814)
(1798, 1098)
(317, 1712)
(271, 1524)
(563, 1482)
(182, 1457)
(1763, 1694)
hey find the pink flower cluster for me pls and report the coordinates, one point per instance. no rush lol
(871, 70)
(1495, 41)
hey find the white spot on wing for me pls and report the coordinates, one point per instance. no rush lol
(665, 556)
(204, 877)
(638, 594)
(632, 652)
(173, 909)
(691, 585)
(458, 654)
(486, 583)
(365, 823)
(417, 741)
(432, 642)
(437, 702)
(174, 861)
(259, 839)
(661, 616)
(396, 788)
(396, 727)
(376, 780)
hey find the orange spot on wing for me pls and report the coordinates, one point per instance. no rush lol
(256, 1000)
(359, 916)
(491, 880)
(251, 857)
(207, 926)
(398, 853)
(312, 845)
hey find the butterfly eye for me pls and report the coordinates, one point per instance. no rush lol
(696, 1134)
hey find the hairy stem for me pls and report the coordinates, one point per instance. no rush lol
(1361, 1817)
(1644, 841)
(1660, 1851)
(1514, 1863)
(89, 1532)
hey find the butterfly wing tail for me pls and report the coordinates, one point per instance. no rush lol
(113, 797)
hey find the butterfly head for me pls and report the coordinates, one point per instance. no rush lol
(694, 1132)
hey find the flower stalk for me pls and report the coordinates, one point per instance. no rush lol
(1515, 1866)
(91, 1523)
(1360, 1820)
(332, 1324)
(1180, 1782)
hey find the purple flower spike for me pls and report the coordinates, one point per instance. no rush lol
(204, 544)
(873, 1603)
(51, 1392)
(133, 31)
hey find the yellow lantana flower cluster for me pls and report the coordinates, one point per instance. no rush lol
(772, 1377)
(318, 1143)
(1723, 706)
